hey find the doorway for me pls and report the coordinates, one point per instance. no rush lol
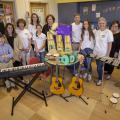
(40, 9)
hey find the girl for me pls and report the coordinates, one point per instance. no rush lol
(39, 41)
(15, 42)
(32, 26)
(25, 38)
(86, 46)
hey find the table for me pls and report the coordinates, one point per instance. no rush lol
(53, 63)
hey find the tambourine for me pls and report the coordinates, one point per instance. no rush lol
(116, 95)
(113, 100)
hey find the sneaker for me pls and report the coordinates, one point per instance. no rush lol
(85, 75)
(89, 77)
(108, 77)
(99, 83)
(8, 89)
(81, 76)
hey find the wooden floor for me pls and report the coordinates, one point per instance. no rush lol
(32, 108)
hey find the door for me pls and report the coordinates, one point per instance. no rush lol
(40, 10)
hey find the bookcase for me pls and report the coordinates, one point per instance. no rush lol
(7, 11)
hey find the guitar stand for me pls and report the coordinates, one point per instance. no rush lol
(79, 97)
(27, 87)
(59, 96)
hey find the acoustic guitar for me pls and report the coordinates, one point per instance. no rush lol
(56, 86)
(76, 86)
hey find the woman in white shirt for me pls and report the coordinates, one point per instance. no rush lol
(104, 39)
(32, 26)
(25, 38)
(86, 47)
(39, 41)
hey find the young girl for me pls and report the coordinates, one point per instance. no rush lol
(32, 26)
(86, 46)
(39, 41)
(25, 38)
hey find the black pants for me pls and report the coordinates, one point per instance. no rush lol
(108, 68)
(17, 64)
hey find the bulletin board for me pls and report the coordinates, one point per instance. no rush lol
(89, 10)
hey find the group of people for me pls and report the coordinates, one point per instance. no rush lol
(101, 42)
(17, 44)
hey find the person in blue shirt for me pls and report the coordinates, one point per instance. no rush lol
(6, 56)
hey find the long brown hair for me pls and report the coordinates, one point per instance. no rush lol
(13, 32)
(38, 21)
(91, 34)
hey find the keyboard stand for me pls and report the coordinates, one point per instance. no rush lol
(27, 87)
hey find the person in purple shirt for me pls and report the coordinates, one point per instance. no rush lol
(6, 55)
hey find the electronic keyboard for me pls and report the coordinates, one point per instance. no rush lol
(23, 70)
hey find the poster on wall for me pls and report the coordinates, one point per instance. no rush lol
(8, 9)
(93, 7)
(85, 11)
(41, 13)
(98, 15)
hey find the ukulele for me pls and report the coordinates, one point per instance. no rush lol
(56, 86)
(76, 86)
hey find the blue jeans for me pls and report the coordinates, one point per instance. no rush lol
(41, 56)
(87, 61)
(100, 66)
(73, 68)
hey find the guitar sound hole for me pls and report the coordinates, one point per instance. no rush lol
(78, 85)
(59, 84)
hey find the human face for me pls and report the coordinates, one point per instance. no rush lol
(9, 29)
(50, 20)
(21, 26)
(39, 29)
(34, 18)
(115, 28)
(86, 25)
(77, 19)
(102, 25)
(2, 40)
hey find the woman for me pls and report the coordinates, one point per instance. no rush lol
(39, 41)
(32, 26)
(104, 39)
(86, 47)
(115, 48)
(49, 26)
(25, 38)
(15, 42)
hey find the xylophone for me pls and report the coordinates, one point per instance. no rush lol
(14, 72)
(22, 70)
(112, 61)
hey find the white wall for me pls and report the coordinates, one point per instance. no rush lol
(24, 5)
(21, 6)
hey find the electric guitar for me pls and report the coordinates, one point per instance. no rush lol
(56, 86)
(76, 86)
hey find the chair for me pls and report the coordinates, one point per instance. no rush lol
(33, 60)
